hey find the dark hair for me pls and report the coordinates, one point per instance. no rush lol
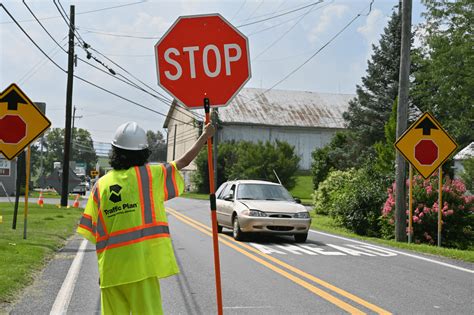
(121, 159)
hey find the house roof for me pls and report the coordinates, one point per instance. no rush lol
(465, 153)
(284, 108)
(287, 108)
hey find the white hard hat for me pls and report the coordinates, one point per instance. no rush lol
(130, 136)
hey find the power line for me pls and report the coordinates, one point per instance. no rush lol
(287, 31)
(80, 78)
(112, 73)
(86, 46)
(282, 14)
(317, 52)
(84, 12)
(88, 30)
(107, 33)
(284, 22)
(240, 8)
(254, 11)
(30, 73)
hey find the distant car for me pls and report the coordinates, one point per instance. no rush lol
(260, 207)
(80, 189)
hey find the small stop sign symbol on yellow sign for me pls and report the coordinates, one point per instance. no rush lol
(426, 152)
(426, 145)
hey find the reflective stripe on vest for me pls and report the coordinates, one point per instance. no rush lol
(148, 230)
(171, 188)
(101, 231)
(86, 223)
(146, 193)
(134, 236)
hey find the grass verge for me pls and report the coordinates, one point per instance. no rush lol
(303, 189)
(327, 224)
(47, 230)
(195, 196)
(50, 195)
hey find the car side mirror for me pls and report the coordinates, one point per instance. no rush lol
(297, 200)
(228, 197)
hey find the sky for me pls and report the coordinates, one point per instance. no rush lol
(126, 32)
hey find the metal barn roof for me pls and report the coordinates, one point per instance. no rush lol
(465, 153)
(284, 108)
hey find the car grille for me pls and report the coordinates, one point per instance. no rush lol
(280, 215)
(279, 228)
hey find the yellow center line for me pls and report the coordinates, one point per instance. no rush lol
(343, 305)
(323, 283)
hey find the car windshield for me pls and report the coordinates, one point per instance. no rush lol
(262, 192)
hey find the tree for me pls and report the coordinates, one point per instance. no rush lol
(157, 146)
(259, 160)
(370, 110)
(444, 82)
(82, 148)
(341, 153)
(385, 162)
(247, 160)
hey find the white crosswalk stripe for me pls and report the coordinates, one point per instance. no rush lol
(326, 250)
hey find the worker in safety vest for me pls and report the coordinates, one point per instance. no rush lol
(125, 218)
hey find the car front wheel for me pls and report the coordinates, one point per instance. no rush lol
(236, 231)
(219, 228)
(301, 238)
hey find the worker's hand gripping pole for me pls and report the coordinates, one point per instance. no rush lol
(212, 199)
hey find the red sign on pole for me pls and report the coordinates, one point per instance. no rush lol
(202, 56)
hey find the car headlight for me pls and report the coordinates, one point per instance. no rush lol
(302, 215)
(254, 213)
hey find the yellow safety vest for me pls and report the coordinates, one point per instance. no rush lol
(125, 218)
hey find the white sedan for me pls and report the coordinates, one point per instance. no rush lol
(260, 207)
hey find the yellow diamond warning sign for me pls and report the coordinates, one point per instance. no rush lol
(426, 145)
(21, 122)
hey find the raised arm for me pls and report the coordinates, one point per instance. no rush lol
(191, 154)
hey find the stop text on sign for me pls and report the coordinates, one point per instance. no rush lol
(210, 60)
(202, 57)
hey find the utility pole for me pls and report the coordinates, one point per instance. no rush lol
(73, 120)
(67, 133)
(402, 120)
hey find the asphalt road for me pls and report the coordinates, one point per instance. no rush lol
(269, 275)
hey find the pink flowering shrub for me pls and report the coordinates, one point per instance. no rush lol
(457, 212)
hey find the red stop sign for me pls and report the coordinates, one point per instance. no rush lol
(202, 56)
(426, 152)
(12, 129)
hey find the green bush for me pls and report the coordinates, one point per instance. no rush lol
(326, 194)
(354, 199)
(340, 154)
(247, 160)
(226, 157)
(457, 212)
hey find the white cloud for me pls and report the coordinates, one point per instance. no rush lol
(373, 26)
(326, 19)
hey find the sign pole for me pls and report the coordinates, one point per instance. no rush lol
(20, 169)
(410, 203)
(27, 185)
(440, 205)
(212, 199)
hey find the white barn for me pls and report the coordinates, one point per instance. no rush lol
(464, 154)
(306, 120)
